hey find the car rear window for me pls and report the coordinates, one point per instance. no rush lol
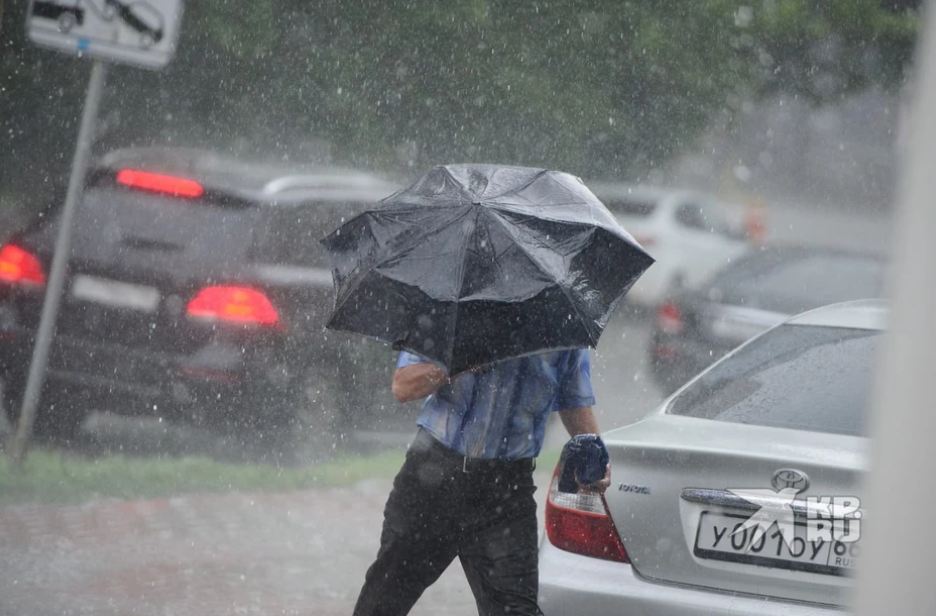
(798, 377)
(638, 208)
(157, 230)
(290, 234)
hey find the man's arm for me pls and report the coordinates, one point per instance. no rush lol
(579, 421)
(417, 381)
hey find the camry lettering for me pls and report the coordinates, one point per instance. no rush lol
(633, 489)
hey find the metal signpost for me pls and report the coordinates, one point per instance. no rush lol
(142, 33)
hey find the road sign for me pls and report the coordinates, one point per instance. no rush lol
(139, 32)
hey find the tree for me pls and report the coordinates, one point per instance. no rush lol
(826, 50)
(592, 86)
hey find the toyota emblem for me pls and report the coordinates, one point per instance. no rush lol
(790, 478)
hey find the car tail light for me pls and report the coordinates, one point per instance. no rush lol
(670, 318)
(19, 266)
(159, 183)
(580, 523)
(645, 240)
(232, 304)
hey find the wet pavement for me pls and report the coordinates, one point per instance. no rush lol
(255, 554)
(263, 554)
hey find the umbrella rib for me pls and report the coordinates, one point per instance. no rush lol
(461, 281)
(494, 205)
(356, 282)
(539, 266)
(517, 189)
(465, 192)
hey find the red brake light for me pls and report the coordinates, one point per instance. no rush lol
(580, 523)
(645, 240)
(670, 318)
(233, 304)
(159, 183)
(19, 266)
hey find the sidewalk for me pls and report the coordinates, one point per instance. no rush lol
(254, 554)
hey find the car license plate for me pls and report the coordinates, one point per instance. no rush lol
(114, 293)
(716, 539)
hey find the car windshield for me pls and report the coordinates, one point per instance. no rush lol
(797, 377)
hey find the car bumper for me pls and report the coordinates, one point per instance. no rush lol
(583, 586)
(121, 379)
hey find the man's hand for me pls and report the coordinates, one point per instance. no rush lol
(582, 421)
(417, 381)
(599, 487)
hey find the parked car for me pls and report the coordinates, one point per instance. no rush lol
(697, 326)
(197, 290)
(781, 416)
(690, 235)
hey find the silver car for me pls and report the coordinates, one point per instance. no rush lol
(740, 495)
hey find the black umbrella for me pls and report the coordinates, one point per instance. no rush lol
(478, 263)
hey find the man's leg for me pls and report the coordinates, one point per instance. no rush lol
(500, 554)
(417, 542)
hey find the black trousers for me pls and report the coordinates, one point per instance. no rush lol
(483, 513)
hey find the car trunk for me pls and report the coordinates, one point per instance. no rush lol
(137, 259)
(664, 489)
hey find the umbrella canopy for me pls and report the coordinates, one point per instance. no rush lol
(477, 263)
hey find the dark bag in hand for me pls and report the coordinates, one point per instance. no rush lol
(584, 461)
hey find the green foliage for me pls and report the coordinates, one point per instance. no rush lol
(537, 83)
(51, 477)
(824, 50)
(599, 87)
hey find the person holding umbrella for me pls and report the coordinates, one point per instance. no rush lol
(492, 281)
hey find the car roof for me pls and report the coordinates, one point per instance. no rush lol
(868, 314)
(793, 250)
(264, 181)
(778, 255)
(638, 192)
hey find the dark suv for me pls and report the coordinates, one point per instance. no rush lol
(197, 290)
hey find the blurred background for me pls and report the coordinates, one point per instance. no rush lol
(786, 115)
(795, 101)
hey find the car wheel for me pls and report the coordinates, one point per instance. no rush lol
(58, 419)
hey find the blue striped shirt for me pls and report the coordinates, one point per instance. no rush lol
(501, 413)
